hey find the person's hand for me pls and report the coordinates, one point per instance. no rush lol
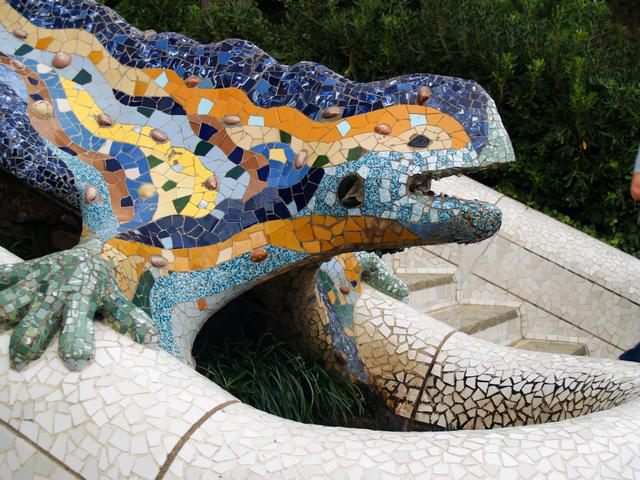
(635, 186)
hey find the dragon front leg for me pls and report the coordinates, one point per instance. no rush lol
(377, 274)
(63, 291)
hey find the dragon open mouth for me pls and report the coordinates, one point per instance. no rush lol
(420, 186)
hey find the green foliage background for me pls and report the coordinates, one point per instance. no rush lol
(565, 75)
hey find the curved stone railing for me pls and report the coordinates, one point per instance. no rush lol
(434, 374)
(137, 412)
(569, 286)
(140, 413)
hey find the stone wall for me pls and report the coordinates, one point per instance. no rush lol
(567, 285)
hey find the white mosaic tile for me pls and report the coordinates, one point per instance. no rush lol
(241, 443)
(123, 412)
(121, 417)
(471, 383)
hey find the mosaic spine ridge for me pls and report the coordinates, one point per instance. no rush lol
(314, 77)
(22, 150)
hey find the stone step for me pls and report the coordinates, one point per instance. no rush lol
(549, 346)
(430, 289)
(495, 323)
(421, 281)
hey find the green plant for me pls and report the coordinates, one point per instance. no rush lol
(20, 248)
(272, 377)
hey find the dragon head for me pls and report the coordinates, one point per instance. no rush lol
(365, 179)
(387, 185)
(347, 169)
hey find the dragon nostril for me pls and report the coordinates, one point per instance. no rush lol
(351, 191)
(419, 141)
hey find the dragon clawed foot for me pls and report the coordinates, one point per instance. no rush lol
(376, 273)
(65, 290)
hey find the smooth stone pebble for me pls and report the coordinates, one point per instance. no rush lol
(231, 119)
(331, 112)
(17, 64)
(192, 81)
(42, 109)
(301, 157)
(90, 194)
(147, 190)
(61, 60)
(383, 129)
(158, 261)
(159, 136)
(211, 183)
(20, 34)
(259, 255)
(104, 120)
(424, 94)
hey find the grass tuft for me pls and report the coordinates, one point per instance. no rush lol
(272, 377)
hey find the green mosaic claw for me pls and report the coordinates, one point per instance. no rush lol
(65, 290)
(125, 317)
(376, 273)
(10, 274)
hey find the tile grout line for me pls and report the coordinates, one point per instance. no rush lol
(186, 435)
(414, 412)
(47, 454)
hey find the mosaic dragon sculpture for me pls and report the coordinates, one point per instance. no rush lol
(205, 171)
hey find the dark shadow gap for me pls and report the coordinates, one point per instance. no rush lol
(33, 225)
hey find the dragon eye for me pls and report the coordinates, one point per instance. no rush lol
(351, 191)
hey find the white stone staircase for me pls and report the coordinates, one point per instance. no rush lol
(435, 293)
(552, 347)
